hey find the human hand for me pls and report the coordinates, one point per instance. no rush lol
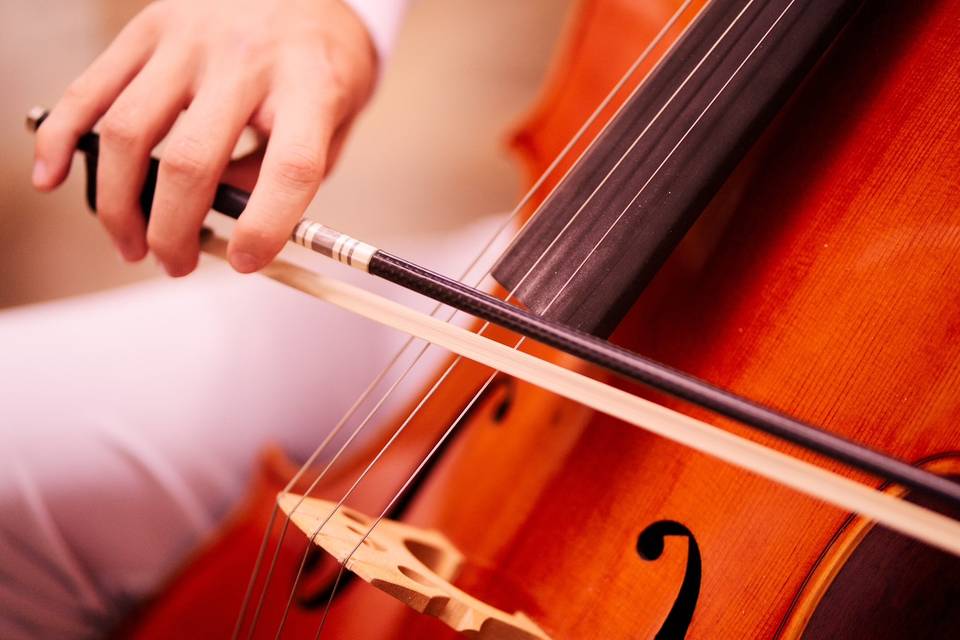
(297, 71)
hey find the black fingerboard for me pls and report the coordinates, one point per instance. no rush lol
(659, 187)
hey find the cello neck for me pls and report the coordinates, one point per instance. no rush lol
(651, 172)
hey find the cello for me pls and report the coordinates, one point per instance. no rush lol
(809, 264)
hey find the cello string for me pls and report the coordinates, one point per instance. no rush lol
(423, 462)
(512, 293)
(456, 362)
(526, 199)
(511, 218)
(485, 326)
(284, 527)
(592, 252)
(656, 171)
(805, 477)
(595, 191)
(549, 171)
(830, 487)
(644, 55)
(264, 543)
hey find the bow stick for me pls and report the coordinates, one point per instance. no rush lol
(898, 514)
(365, 257)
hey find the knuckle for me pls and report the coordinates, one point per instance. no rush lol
(152, 17)
(150, 22)
(338, 72)
(250, 50)
(77, 91)
(300, 168)
(154, 11)
(119, 129)
(187, 158)
(338, 80)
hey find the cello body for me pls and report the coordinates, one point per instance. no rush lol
(823, 280)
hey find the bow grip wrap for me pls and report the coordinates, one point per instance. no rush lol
(227, 200)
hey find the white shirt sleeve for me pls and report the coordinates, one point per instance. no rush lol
(382, 19)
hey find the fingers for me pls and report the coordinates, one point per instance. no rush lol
(136, 122)
(88, 97)
(293, 167)
(196, 154)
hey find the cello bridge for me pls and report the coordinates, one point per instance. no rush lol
(413, 565)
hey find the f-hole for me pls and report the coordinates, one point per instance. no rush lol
(502, 408)
(650, 546)
(317, 579)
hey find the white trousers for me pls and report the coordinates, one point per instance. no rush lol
(130, 422)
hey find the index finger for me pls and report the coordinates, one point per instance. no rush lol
(89, 96)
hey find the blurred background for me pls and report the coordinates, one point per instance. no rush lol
(429, 153)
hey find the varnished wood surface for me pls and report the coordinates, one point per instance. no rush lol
(833, 294)
(824, 281)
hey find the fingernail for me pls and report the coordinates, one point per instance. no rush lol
(41, 175)
(244, 262)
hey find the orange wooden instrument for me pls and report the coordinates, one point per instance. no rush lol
(823, 279)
